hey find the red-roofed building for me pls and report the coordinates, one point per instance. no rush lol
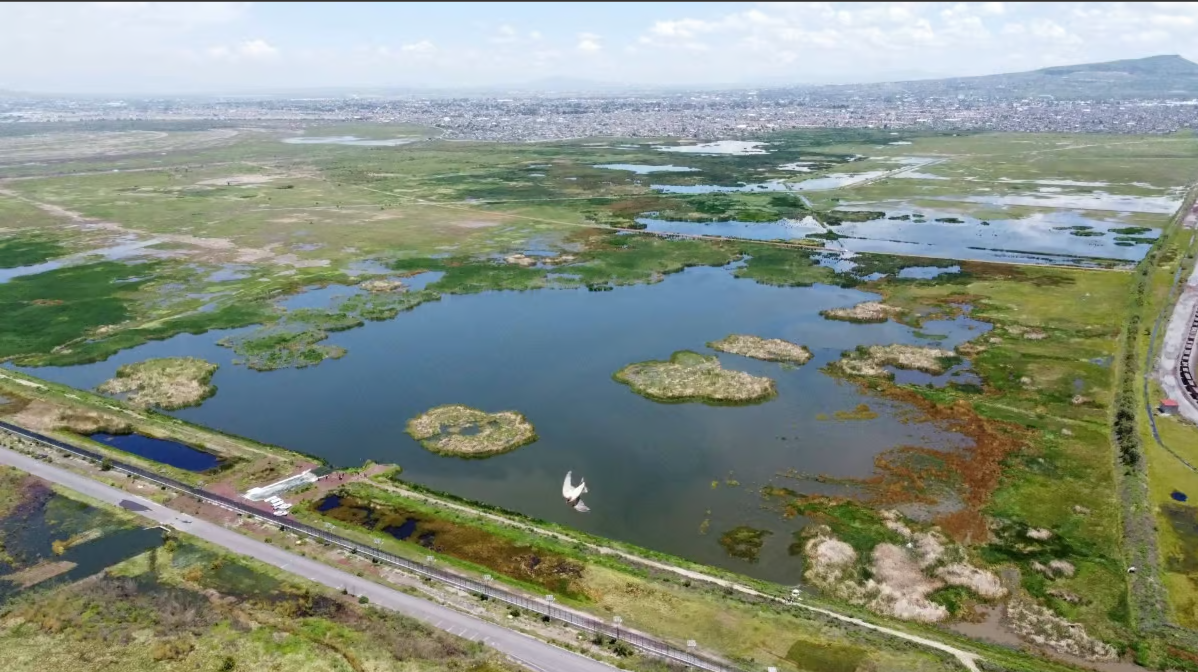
(1168, 407)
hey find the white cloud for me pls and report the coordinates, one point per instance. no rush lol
(166, 47)
(249, 50)
(421, 47)
(589, 43)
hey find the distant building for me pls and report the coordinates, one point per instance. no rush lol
(1168, 407)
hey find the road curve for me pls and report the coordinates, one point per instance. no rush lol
(532, 653)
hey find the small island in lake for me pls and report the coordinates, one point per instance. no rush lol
(768, 349)
(872, 361)
(169, 383)
(690, 376)
(455, 429)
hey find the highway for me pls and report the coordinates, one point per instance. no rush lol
(530, 652)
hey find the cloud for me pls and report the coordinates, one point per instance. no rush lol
(166, 47)
(589, 43)
(250, 50)
(421, 47)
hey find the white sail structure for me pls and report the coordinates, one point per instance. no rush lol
(573, 493)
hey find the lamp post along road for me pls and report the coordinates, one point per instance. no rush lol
(617, 621)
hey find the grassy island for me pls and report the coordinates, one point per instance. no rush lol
(873, 360)
(863, 313)
(271, 349)
(169, 383)
(455, 429)
(768, 349)
(690, 376)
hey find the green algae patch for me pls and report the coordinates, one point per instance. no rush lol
(863, 313)
(27, 251)
(271, 349)
(872, 361)
(826, 656)
(861, 412)
(744, 542)
(690, 376)
(768, 349)
(169, 383)
(459, 430)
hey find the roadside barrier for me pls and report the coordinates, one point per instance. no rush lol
(543, 607)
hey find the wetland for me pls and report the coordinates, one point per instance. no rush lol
(585, 420)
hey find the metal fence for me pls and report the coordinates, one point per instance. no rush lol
(543, 607)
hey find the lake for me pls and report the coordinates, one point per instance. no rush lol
(550, 354)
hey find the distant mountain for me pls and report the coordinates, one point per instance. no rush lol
(1152, 77)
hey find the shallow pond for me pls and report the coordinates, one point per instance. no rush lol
(44, 517)
(1037, 238)
(125, 250)
(643, 169)
(727, 147)
(169, 453)
(550, 354)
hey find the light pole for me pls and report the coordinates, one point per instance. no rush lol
(549, 599)
(486, 584)
(690, 647)
(617, 621)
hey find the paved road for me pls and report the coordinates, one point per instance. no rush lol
(532, 653)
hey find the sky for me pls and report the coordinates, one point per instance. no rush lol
(242, 47)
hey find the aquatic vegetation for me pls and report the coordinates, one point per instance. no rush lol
(838, 217)
(768, 349)
(27, 251)
(690, 376)
(826, 656)
(169, 383)
(371, 508)
(275, 348)
(295, 339)
(873, 360)
(377, 308)
(744, 542)
(459, 430)
(863, 313)
(50, 309)
(861, 412)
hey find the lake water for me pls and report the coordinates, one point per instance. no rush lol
(550, 354)
(170, 453)
(644, 169)
(1038, 238)
(726, 147)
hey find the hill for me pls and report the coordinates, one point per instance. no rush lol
(1153, 77)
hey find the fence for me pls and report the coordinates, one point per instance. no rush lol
(545, 608)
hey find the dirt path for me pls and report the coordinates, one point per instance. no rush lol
(967, 659)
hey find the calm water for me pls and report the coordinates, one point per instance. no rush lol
(167, 452)
(31, 529)
(551, 354)
(1037, 238)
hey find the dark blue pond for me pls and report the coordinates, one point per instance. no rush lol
(169, 453)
